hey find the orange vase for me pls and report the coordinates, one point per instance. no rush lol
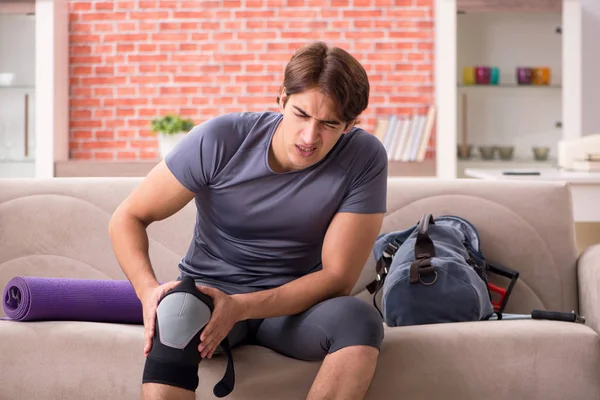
(541, 76)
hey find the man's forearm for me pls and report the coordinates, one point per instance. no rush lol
(130, 244)
(291, 298)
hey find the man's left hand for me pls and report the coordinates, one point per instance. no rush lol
(227, 311)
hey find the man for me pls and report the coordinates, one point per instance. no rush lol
(289, 205)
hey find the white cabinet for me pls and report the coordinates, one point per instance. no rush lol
(17, 94)
(507, 35)
(33, 87)
(517, 117)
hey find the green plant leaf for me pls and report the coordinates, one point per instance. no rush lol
(171, 124)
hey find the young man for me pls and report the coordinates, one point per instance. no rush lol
(289, 205)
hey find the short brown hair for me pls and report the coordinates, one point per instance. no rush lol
(335, 72)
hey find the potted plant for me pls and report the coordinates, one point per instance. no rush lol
(170, 129)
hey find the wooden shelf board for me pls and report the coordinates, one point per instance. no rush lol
(96, 168)
(402, 168)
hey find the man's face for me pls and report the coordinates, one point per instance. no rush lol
(309, 130)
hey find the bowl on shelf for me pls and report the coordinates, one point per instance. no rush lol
(540, 153)
(487, 152)
(467, 155)
(6, 78)
(506, 152)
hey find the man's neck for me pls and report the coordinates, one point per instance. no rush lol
(274, 149)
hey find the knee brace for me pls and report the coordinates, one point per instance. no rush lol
(181, 316)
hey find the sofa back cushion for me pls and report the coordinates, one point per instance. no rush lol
(59, 228)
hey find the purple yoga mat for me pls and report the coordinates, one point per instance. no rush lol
(53, 299)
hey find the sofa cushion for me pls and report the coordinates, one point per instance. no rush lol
(538, 360)
(67, 360)
(519, 359)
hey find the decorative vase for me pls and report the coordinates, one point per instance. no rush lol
(540, 76)
(482, 75)
(524, 76)
(468, 76)
(166, 143)
(495, 75)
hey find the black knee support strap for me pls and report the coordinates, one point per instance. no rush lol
(181, 316)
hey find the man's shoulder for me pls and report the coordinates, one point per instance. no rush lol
(211, 145)
(237, 122)
(235, 127)
(360, 138)
(360, 147)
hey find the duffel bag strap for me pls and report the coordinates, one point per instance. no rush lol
(382, 269)
(424, 250)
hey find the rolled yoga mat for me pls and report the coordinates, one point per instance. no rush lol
(54, 299)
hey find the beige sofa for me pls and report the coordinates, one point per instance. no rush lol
(58, 228)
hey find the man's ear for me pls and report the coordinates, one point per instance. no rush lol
(349, 125)
(282, 100)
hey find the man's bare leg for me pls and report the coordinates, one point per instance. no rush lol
(158, 391)
(345, 374)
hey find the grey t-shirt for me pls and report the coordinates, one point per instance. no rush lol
(259, 228)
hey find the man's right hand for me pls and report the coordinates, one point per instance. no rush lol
(149, 299)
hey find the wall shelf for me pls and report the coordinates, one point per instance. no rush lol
(17, 161)
(18, 87)
(483, 6)
(510, 86)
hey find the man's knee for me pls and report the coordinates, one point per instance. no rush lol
(174, 357)
(352, 322)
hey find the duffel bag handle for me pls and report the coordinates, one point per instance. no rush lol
(424, 246)
(424, 250)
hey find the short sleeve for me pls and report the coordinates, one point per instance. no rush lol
(195, 159)
(368, 188)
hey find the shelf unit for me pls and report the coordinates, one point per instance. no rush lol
(535, 33)
(509, 114)
(34, 108)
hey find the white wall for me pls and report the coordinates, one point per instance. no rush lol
(17, 55)
(519, 116)
(590, 64)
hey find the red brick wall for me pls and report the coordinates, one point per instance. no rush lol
(131, 61)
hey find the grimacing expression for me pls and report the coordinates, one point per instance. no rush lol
(309, 129)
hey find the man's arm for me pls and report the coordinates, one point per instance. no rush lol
(346, 248)
(158, 196)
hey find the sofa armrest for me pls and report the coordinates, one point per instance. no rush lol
(588, 276)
